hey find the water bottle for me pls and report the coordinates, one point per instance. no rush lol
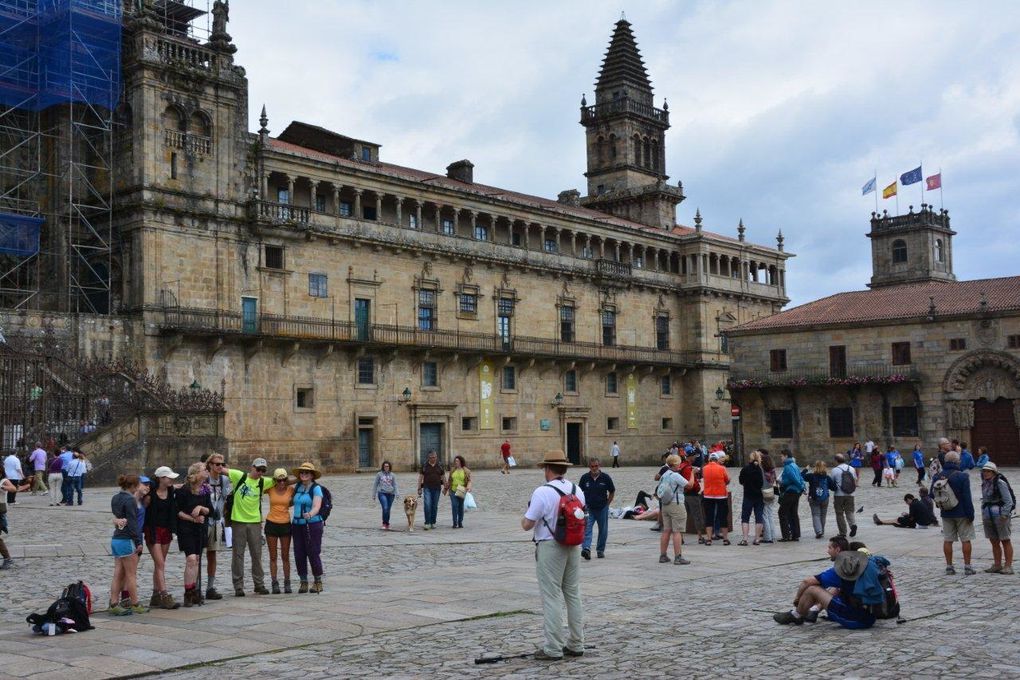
(50, 628)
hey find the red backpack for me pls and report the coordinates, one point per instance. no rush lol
(571, 518)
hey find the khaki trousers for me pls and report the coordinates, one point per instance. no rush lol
(40, 484)
(247, 535)
(559, 572)
(844, 507)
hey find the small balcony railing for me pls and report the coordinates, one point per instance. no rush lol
(612, 268)
(189, 143)
(218, 322)
(283, 212)
(172, 52)
(851, 376)
(623, 105)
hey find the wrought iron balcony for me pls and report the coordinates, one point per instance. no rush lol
(866, 374)
(589, 114)
(218, 323)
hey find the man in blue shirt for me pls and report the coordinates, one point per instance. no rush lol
(957, 522)
(830, 591)
(966, 458)
(919, 462)
(598, 491)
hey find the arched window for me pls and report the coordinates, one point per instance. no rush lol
(174, 119)
(637, 150)
(200, 124)
(648, 153)
(899, 251)
(939, 252)
(600, 150)
(655, 156)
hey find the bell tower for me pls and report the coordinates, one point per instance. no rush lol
(911, 248)
(625, 136)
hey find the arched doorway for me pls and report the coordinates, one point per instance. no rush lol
(995, 427)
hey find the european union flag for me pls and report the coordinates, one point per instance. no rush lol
(911, 177)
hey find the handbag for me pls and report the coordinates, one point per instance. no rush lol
(768, 493)
(460, 492)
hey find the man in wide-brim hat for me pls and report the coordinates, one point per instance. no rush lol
(558, 566)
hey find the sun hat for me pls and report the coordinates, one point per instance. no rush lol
(850, 564)
(990, 466)
(306, 467)
(164, 471)
(259, 462)
(279, 473)
(555, 458)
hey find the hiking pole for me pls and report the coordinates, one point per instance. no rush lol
(918, 618)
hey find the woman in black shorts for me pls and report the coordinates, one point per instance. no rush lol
(160, 525)
(278, 528)
(193, 507)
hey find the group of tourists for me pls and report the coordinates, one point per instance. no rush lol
(64, 469)
(434, 481)
(215, 509)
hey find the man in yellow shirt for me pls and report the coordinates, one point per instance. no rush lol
(246, 524)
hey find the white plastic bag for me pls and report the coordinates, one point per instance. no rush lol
(469, 501)
(511, 462)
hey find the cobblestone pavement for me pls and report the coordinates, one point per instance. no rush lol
(428, 603)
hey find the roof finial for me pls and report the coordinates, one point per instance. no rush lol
(740, 229)
(584, 100)
(623, 15)
(779, 240)
(697, 220)
(263, 122)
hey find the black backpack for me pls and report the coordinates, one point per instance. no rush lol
(326, 506)
(847, 483)
(889, 608)
(70, 612)
(1008, 486)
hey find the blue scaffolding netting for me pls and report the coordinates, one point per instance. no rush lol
(59, 51)
(19, 234)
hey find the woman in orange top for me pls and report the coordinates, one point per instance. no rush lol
(714, 498)
(278, 527)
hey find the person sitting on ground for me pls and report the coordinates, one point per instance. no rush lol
(917, 515)
(831, 590)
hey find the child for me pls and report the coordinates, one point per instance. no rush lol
(889, 475)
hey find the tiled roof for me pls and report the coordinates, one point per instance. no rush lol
(906, 301)
(493, 193)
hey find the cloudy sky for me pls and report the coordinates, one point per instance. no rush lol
(781, 111)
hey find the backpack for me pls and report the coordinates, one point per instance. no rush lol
(326, 506)
(81, 592)
(889, 607)
(1008, 486)
(943, 495)
(666, 496)
(228, 505)
(571, 518)
(847, 481)
(69, 614)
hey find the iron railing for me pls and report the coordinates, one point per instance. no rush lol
(864, 374)
(219, 322)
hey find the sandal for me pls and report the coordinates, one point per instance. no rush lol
(726, 541)
(708, 543)
(756, 542)
(742, 542)
(701, 540)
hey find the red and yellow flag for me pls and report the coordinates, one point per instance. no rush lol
(889, 191)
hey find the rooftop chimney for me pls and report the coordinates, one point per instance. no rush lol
(462, 171)
(569, 197)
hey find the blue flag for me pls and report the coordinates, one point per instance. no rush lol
(911, 177)
(868, 187)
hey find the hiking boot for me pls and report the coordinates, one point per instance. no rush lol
(139, 609)
(188, 598)
(212, 594)
(316, 586)
(154, 601)
(540, 655)
(286, 586)
(261, 590)
(664, 559)
(680, 560)
(167, 601)
(994, 569)
(567, 651)
(853, 531)
(950, 570)
(303, 588)
(600, 555)
(276, 587)
(7, 564)
(1008, 571)
(586, 554)
(812, 616)
(877, 520)
(968, 570)
(117, 610)
(238, 592)
(786, 618)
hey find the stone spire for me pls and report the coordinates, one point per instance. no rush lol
(623, 70)
(741, 229)
(263, 122)
(697, 220)
(779, 241)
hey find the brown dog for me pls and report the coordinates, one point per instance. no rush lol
(410, 509)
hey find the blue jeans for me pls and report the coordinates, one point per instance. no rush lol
(458, 510)
(431, 499)
(66, 494)
(386, 501)
(600, 516)
(77, 484)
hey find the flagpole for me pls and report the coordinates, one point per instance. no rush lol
(897, 197)
(921, 168)
(876, 190)
(940, 190)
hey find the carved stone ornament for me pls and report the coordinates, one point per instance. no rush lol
(426, 270)
(960, 415)
(986, 331)
(469, 273)
(1002, 369)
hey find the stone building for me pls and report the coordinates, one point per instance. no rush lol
(353, 310)
(917, 357)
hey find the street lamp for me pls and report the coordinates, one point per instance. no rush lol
(720, 394)
(195, 386)
(557, 400)
(404, 396)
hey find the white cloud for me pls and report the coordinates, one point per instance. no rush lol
(780, 110)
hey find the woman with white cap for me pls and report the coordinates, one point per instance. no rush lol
(997, 505)
(307, 527)
(160, 525)
(278, 530)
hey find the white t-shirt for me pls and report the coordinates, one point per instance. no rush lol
(12, 467)
(545, 505)
(615, 451)
(869, 446)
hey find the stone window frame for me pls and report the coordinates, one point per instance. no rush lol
(841, 422)
(612, 424)
(360, 373)
(503, 424)
(784, 414)
(467, 289)
(610, 310)
(899, 251)
(503, 382)
(666, 424)
(1013, 341)
(304, 392)
(614, 378)
(957, 344)
(901, 353)
(660, 316)
(426, 311)
(577, 382)
(566, 302)
(318, 287)
(469, 424)
(663, 382)
(436, 386)
(447, 226)
(282, 250)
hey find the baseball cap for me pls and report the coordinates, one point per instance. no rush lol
(164, 471)
(144, 480)
(259, 462)
(279, 473)
(990, 466)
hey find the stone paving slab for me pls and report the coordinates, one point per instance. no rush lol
(414, 604)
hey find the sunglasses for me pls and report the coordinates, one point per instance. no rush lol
(217, 463)
(261, 469)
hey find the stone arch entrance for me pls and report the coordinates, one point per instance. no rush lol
(982, 391)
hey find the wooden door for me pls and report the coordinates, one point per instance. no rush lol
(996, 428)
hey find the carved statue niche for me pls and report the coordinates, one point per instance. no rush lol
(990, 383)
(960, 415)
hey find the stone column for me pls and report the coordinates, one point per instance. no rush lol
(527, 235)
(314, 186)
(417, 215)
(357, 204)
(290, 190)
(602, 247)
(474, 221)
(617, 251)
(573, 243)
(378, 206)
(336, 199)
(400, 205)
(439, 218)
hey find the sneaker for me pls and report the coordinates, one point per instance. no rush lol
(426, 527)
(212, 594)
(586, 554)
(950, 570)
(968, 570)
(117, 610)
(994, 569)
(663, 559)
(139, 609)
(853, 531)
(656, 528)
(812, 616)
(600, 555)
(786, 618)
(680, 560)
(877, 520)
(540, 655)
(567, 651)
(1006, 570)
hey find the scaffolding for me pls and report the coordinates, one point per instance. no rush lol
(59, 86)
